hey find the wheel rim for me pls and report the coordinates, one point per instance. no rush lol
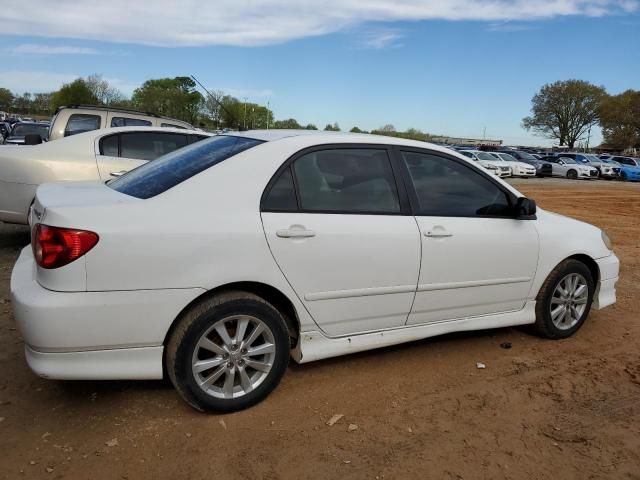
(233, 357)
(569, 301)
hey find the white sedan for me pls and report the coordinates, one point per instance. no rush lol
(489, 162)
(96, 155)
(570, 168)
(219, 261)
(518, 169)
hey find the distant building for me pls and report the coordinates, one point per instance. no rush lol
(467, 141)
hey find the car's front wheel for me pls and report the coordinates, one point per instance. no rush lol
(572, 174)
(228, 352)
(564, 300)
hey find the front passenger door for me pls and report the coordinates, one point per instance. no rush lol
(477, 259)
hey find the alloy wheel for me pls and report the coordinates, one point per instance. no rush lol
(569, 301)
(233, 357)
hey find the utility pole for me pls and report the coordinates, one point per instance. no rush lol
(588, 138)
(484, 133)
(245, 113)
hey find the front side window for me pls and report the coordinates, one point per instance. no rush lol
(150, 145)
(129, 122)
(80, 123)
(355, 180)
(446, 188)
(154, 178)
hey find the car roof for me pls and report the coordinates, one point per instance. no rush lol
(320, 137)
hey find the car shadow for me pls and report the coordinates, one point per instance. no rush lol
(14, 236)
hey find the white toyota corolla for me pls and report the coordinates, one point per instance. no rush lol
(218, 262)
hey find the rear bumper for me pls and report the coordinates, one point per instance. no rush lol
(115, 334)
(119, 364)
(606, 291)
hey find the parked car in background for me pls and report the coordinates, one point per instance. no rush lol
(629, 168)
(96, 155)
(609, 170)
(518, 169)
(586, 159)
(216, 263)
(570, 168)
(71, 120)
(20, 130)
(489, 162)
(543, 168)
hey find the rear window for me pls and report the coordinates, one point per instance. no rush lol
(129, 122)
(80, 123)
(155, 177)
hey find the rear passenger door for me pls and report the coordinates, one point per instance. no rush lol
(338, 224)
(121, 152)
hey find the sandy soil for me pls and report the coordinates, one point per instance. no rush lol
(542, 409)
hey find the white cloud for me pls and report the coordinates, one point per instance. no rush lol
(35, 49)
(381, 39)
(261, 22)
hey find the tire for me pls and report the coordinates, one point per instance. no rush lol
(623, 176)
(550, 325)
(572, 174)
(219, 361)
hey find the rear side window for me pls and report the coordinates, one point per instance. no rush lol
(446, 188)
(282, 196)
(346, 181)
(170, 125)
(80, 122)
(150, 145)
(109, 146)
(129, 122)
(154, 178)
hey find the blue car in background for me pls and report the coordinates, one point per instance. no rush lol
(629, 168)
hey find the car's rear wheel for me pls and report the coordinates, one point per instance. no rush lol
(572, 174)
(228, 352)
(564, 300)
(623, 176)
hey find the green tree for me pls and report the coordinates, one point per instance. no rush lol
(6, 99)
(173, 97)
(41, 103)
(22, 103)
(356, 130)
(76, 92)
(565, 110)
(620, 119)
(290, 123)
(332, 128)
(310, 126)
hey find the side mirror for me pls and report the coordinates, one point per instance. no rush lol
(525, 209)
(32, 139)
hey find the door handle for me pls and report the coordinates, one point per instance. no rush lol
(438, 234)
(118, 174)
(295, 233)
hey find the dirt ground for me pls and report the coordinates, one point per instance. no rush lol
(542, 409)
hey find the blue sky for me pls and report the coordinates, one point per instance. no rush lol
(444, 72)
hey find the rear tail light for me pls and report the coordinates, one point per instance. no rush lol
(55, 247)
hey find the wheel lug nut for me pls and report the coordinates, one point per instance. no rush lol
(230, 365)
(243, 351)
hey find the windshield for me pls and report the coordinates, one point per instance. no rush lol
(527, 156)
(507, 158)
(167, 171)
(484, 156)
(22, 129)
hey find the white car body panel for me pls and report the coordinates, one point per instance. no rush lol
(146, 269)
(486, 266)
(357, 273)
(70, 159)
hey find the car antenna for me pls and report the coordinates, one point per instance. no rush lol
(218, 102)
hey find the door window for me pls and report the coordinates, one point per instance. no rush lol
(346, 181)
(282, 195)
(109, 146)
(446, 188)
(80, 122)
(150, 145)
(129, 122)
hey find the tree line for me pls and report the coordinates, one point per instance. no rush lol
(567, 110)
